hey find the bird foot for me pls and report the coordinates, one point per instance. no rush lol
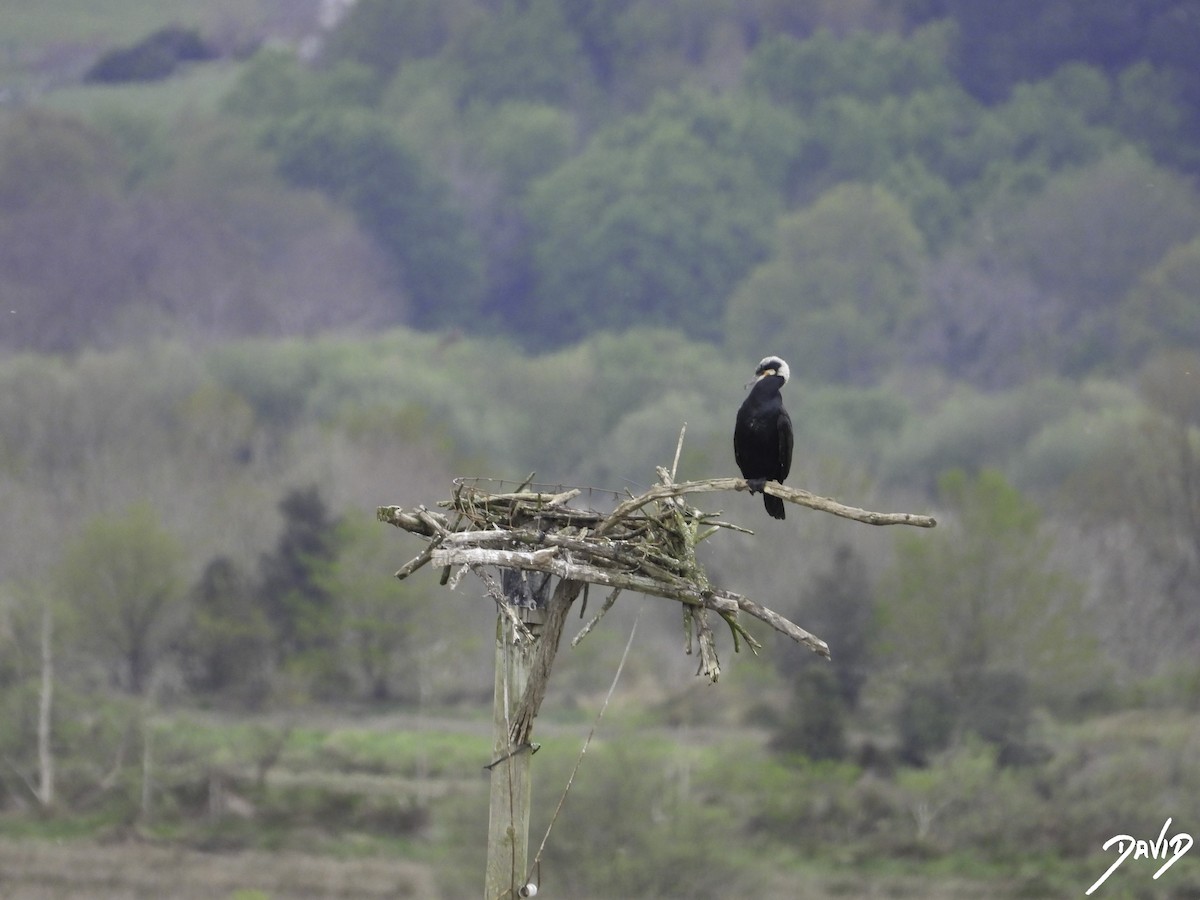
(756, 485)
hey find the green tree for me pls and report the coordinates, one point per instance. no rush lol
(652, 225)
(1161, 308)
(1137, 499)
(226, 648)
(375, 613)
(635, 826)
(993, 704)
(804, 74)
(1087, 238)
(1151, 110)
(63, 232)
(383, 34)
(299, 609)
(842, 287)
(980, 593)
(358, 158)
(1163, 490)
(597, 25)
(122, 577)
(522, 141)
(815, 723)
(275, 83)
(520, 50)
(839, 605)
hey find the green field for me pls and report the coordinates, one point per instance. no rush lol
(395, 805)
(196, 91)
(45, 47)
(30, 23)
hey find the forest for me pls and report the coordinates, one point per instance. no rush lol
(267, 266)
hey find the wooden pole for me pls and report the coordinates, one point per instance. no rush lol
(508, 809)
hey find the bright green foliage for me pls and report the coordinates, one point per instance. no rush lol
(358, 158)
(122, 575)
(652, 224)
(981, 593)
(841, 290)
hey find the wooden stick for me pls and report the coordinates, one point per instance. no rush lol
(775, 489)
(548, 561)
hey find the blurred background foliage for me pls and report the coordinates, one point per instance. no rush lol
(266, 266)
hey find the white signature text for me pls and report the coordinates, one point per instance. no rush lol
(1177, 846)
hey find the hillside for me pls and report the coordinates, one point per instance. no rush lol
(287, 273)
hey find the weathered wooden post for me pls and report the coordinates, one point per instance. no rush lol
(511, 785)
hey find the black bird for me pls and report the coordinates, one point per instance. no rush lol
(762, 438)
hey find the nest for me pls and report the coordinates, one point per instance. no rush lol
(644, 543)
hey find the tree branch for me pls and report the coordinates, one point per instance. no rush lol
(775, 489)
(548, 560)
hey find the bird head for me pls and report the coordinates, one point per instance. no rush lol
(772, 365)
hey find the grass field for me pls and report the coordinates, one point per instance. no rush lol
(331, 815)
(32, 23)
(46, 46)
(135, 870)
(195, 91)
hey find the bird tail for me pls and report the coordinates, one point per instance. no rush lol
(774, 507)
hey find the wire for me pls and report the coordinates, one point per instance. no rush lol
(571, 779)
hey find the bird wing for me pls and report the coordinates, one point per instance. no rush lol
(784, 426)
(740, 436)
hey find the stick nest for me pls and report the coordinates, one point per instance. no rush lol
(645, 543)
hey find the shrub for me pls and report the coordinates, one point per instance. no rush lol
(815, 725)
(926, 721)
(152, 58)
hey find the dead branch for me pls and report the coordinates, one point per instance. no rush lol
(646, 545)
(774, 488)
(543, 660)
(548, 561)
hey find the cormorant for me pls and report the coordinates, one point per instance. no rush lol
(762, 437)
